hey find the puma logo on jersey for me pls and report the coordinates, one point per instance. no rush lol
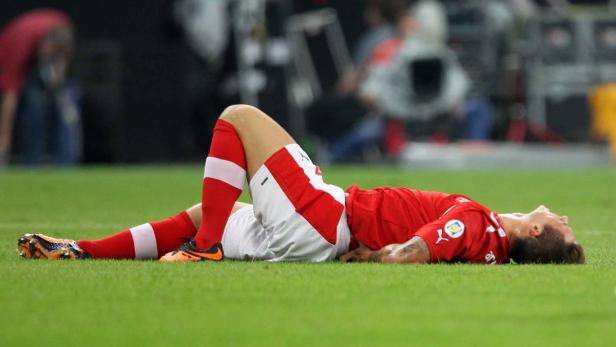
(440, 236)
(490, 258)
(305, 157)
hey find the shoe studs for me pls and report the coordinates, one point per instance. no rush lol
(22, 254)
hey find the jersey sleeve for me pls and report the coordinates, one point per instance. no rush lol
(448, 237)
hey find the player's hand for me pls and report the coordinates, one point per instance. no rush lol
(360, 254)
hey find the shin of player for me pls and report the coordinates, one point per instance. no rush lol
(223, 180)
(146, 241)
(224, 176)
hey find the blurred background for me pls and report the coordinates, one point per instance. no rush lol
(421, 83)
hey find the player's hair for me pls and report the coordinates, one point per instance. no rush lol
(548, 247)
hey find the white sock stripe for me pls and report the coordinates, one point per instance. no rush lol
(226, 171)
(145, 241)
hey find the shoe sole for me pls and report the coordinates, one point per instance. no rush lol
(29, 246)
(189, 256)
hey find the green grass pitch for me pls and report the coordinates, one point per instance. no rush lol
(145, 303)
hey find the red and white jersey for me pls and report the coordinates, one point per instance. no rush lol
(454, 227)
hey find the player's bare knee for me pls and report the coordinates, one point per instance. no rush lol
(231, 111)
(243, 116)
(239, 115)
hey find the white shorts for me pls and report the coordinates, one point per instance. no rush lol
(295, 215)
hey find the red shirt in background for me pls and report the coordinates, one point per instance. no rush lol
(385, 51)
(19, 40)
(454, 227)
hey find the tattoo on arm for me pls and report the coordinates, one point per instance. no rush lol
(413, 251)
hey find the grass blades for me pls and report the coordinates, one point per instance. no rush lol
(128, 303)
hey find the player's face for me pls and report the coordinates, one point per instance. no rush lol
(543, 216)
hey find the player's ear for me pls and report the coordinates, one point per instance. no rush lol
(535, 229)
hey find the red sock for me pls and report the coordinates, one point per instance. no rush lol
(223, 181)
(146, 241)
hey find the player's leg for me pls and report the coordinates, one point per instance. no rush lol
(194, 212)
(243, 138)
(303, 216)
(261, 136)
(145, 241)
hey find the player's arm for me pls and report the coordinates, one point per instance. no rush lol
(414, 250)
(8, 106)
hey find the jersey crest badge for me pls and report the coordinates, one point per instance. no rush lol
(454, 228)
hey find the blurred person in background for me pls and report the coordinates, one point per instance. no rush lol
(417, 82)
(388, 99)
(335, 114)
(420, 27)
(381, 16)
(36, 49)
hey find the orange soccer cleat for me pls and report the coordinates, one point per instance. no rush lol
(188, 252)
(39, 246)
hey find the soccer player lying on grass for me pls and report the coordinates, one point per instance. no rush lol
(295, 215)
